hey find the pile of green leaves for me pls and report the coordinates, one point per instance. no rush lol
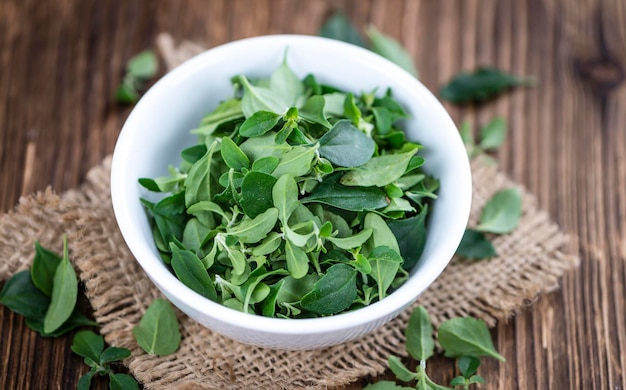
(465, 339)
(299, 200)
(46, 294)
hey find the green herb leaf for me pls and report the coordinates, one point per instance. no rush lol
(126, 93)
(493, 134)
(265, 164)
(466, 337)
(339, 27)
(468, 365)
(331, 193)
(313, 111)
(502, 212)
(143, 65)
(233, 156)
(296, 162)
(285, 197)
(411, 236)
(346, 146)
(256, 99)
(379, 171)
(64, 293)
(481, 85)
(192, 273)
(458, 381)
(420, 343)
(84, 383)
(285, 83)
(381, 235)
(158, 332)
(114, 354)
(21, 296)
(386, 385)
(44, 266)
(334, 292)
(476, 379)
(297, 260)
(256, 193)
(122, 382)
(385, 263)
(475, 245)
(259, 123)
(88, 345)
(391, 50)
(76, 320)
(198, 181)
(353, 241)
(400, 370)
(253, 230)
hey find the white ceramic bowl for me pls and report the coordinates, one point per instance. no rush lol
(158, 129)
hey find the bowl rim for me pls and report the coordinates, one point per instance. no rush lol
(391, 305)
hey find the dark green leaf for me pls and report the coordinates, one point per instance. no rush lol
(44, 266)
(126, 93)
(268, 306)
(143, 65)
(420, 343)
(331, 193)
(297, 260)
(339, 27)
(88, 345)
(21, 296)
(474, 245)
(385, 263)
(198, 181)
(458, 381)
(481, 85)
(122, 382)
(114, 354)
(193, 153)
(233, 156)
(64, 293)
(158, 332)
(400, 370)
(191, 272)
(334, 292)
(468, 365)
(466, 336)
(259, 123)
(502, 212)
(411, 236)
(294, 289)
(391, 50)
(256, 192)
(346, 146)
(76, 320)
(386, 385)
(383, 118)
(84, 383)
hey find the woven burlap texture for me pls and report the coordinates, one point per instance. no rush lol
(530, 261)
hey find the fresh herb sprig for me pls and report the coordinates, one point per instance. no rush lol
(158, 331)
(139, 69)
(481, 85)
(90, 346)
(465, 339)
(46, 294)
(299, 200)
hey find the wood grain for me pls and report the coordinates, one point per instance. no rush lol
(60, 62)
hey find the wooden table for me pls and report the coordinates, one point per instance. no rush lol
(60, 62)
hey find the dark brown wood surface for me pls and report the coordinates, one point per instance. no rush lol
(61, 60)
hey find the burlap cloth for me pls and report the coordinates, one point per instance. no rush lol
(530, 261)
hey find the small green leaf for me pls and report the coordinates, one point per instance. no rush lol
(458, 381)
(297, 260)
(400, 370)
(476, 379)
(233, 156)
(191, 272)
(122, 382)
(493, 134)
(285, 197)
(331, 193)
(44, 266)
(386, 385)
(114, 354)
(381, 235)
(259, 123)
(21, 296)
(260, 99)
(346, 146)
(468, 365)
(411, 235)
(64, 293)
(334, 292)
(198, 181)
(391, 50)
(256, 193)
(379, 171)
(481, 85)
(285, 83)
(265, 164)
(420, 343)
(268, 245)
(466, 336)
(253, 230)
(385, 263)
(353, 241)
(143, 65)
(313, 111)
(339, 27)
(502, 212)
(88, 345)
(296, 162)
(158, 331)
(84, 383)
(76, 320)
(475, 245)
(126, 93)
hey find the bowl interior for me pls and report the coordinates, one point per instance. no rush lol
(158, 129)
